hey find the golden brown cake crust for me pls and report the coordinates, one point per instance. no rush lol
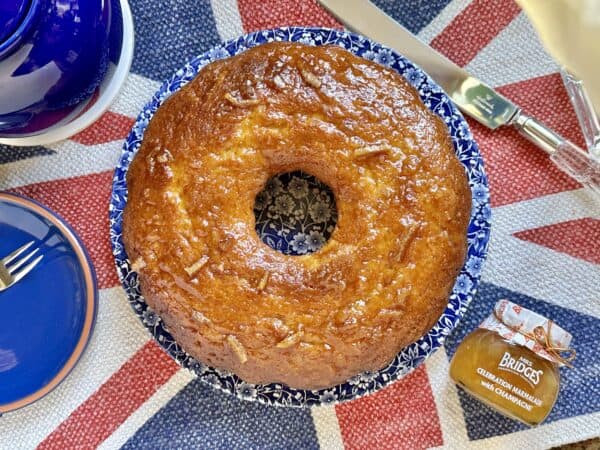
(311, 321)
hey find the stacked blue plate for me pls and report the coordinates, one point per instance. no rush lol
(46, 319)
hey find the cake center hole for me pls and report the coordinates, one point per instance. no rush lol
(295, 213)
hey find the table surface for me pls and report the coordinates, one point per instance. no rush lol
(544, 254)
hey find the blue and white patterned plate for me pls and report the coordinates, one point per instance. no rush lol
(288, 239)
(295, 213)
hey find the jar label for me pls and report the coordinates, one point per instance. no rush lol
(502, 388)
(522, 367)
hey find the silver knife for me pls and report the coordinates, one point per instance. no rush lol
(471, 95)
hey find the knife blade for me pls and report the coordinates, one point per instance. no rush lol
(472, 96)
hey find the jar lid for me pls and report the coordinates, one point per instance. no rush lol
(12, 13)
(529, 329)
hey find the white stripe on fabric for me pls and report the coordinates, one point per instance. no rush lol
(443, 19)
(565, 431)
(543, 273)
(110, 347)
(450, 413)
(550, 275)
(545, 210)
(136, 92)
(516, 54)
(150, 407)
(70, 160)
(227, 19)
(327, 427)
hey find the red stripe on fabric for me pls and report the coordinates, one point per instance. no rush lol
(572, 237)
(83, 203)
(122, 394)
(517, 169)
(278, 13)
(403, 415)
(474, 28)
(109, 127)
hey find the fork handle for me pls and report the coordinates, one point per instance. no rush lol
(568, 157)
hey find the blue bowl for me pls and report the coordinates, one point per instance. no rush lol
(53, 56)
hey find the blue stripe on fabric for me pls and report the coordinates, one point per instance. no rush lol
(413, 14)
(580, 391)
(168, 34)
(199, 416)
(11, 154)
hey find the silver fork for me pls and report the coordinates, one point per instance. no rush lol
(10, 265)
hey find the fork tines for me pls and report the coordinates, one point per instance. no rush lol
(10, 265)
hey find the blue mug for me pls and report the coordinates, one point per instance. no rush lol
(53, 56)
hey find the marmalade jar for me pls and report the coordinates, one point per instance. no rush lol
(511, 362)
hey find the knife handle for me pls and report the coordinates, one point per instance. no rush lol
(569, 158)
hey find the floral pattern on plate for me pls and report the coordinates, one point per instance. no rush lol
(477, 234)
(295, 213)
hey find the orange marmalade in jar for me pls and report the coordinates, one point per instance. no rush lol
(511, 362)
